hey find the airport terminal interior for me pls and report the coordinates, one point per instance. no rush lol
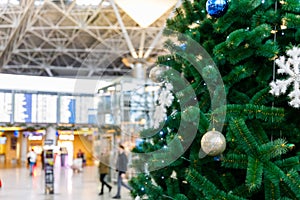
(74, 74)
(165, 99)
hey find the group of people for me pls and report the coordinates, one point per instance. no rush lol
(121, 168)
(32, 158)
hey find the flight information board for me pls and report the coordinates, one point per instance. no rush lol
(84, 109)
(6, 107)
(67, 109)
(46, 108)
(25, 107)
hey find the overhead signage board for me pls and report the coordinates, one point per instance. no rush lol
(67, 109)
(25, 107)
(6, 106)
(85, 106)
(46, 108)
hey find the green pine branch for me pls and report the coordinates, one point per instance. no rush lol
(235, 161)
(258, 131)
(250, 111)
(144, 185)
(276, 175)
(228, 181)
(173, 187)
(262, 97)
(180, 197)
(254, 173)
(273, 149)
(291, 6)
(261, 159)
(237, 74)
(246, 140)
(292, 20)
(238, 97)
(209, 190)
(289, 163)
(235, 38)
(272, 191)
(292, 179)
(268, 50)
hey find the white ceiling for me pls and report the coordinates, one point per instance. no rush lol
(145, 12)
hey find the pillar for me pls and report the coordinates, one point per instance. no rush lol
(139, 71)
(24, 150)
(51, 134)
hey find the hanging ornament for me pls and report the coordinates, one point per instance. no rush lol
(165, 100)
(156, 74)
(174, 175)
(190, 114)
(210, 72)
(217, 158)
(291, 146)
(183, 47)
(216, 8)
(213, 143)
(137, 198)
(290, 67)
(146, 169)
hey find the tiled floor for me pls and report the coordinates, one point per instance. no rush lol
(18, 185)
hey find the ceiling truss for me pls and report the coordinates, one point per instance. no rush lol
(60, 38)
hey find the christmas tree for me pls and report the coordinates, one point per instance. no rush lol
(227, 121)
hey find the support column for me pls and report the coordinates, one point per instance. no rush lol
(51, 134)
(139, 71)
(50, 142)
(24, 150)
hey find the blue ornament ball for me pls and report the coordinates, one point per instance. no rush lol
(217, 158)
(216, 8)
(183, 47)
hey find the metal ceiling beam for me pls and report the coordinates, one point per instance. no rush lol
(48, 70)
(83, 28)
(124, 31)
(17, 34)
(89, 27)
(73, 50)
(61, 36)
(64, 68)
(53, 44)
(153, 44)
(142, 43)
(80, 28)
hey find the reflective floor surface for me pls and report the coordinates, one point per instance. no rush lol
(18, 184)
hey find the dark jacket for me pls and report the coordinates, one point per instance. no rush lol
(122, 162)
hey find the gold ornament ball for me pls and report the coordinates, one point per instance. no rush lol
(213, 143)
(156, 73)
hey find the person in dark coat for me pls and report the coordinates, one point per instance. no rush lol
(103, 168)
(43, 159)
(121, 168)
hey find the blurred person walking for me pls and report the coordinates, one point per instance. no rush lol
(43, 159)
(121, 168)
(32, 157)
(103, 169)
(63, 156)
(81, 155)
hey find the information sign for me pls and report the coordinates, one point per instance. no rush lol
(6, 103)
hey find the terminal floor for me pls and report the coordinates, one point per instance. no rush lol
(18, 185)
